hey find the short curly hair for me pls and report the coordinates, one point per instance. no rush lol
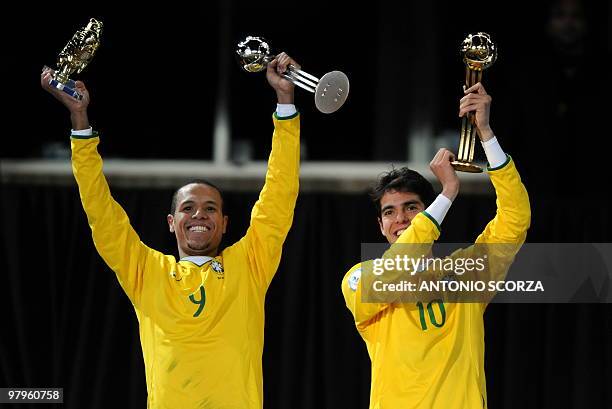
(197, 182)
(402, 180)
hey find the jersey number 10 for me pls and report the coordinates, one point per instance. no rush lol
(432, 316)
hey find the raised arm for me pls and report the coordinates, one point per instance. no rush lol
(272, 214)
(504, 235)
(513, 215)
(114, 237)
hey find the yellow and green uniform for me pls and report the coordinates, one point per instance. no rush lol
(201, 327)
(431, 354)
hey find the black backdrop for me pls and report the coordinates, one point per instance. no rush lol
(161, 72)
(65, 321)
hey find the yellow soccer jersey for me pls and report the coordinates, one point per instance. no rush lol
(431, 354)
(201, 326)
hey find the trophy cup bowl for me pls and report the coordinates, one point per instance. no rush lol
(75, 56)
(253, 54)
(331, 91)
(479, 51)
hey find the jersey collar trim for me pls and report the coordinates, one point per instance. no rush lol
(197, 260)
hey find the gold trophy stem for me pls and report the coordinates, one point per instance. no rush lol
(467, 142)
(473, 129)
(462, 141)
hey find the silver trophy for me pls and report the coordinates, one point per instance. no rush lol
(330, 91)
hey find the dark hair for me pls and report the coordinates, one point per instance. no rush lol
(197, 182)
(403, 180)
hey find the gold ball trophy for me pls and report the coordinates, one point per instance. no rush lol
(75, 56)
(330, 91)
(479, 53)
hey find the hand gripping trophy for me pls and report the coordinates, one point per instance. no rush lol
(479, 53)
(330, 91)
(75, 56)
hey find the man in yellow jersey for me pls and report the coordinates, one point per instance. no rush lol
(431, 355)
(201, 318)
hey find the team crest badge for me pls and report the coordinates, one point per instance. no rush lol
(354, 278)
(216, 266)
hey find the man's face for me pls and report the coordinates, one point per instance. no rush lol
(397, 211)
(198, 222)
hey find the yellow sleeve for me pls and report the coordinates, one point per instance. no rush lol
(422, 230)
(503, 236)
(513, 215)
(272, 214)
(113, 236)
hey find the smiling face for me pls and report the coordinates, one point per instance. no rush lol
(397, 211)
(198, 221)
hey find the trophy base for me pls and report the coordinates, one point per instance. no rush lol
(68, 88)
(331, 92)
(466, 167)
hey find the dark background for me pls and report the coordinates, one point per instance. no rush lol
(161, 71)
(156, 82)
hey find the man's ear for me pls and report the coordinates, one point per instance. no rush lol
(380, 224)
(225, 220)
(170, 219)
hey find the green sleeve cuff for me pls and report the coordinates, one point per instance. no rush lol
(94, 134)
(286, 117)
(434, 221)
(508, 159)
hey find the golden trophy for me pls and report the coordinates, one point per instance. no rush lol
(479, 53)
(75, 56)
(331, 91)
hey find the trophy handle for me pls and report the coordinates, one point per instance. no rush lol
(301, 78)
